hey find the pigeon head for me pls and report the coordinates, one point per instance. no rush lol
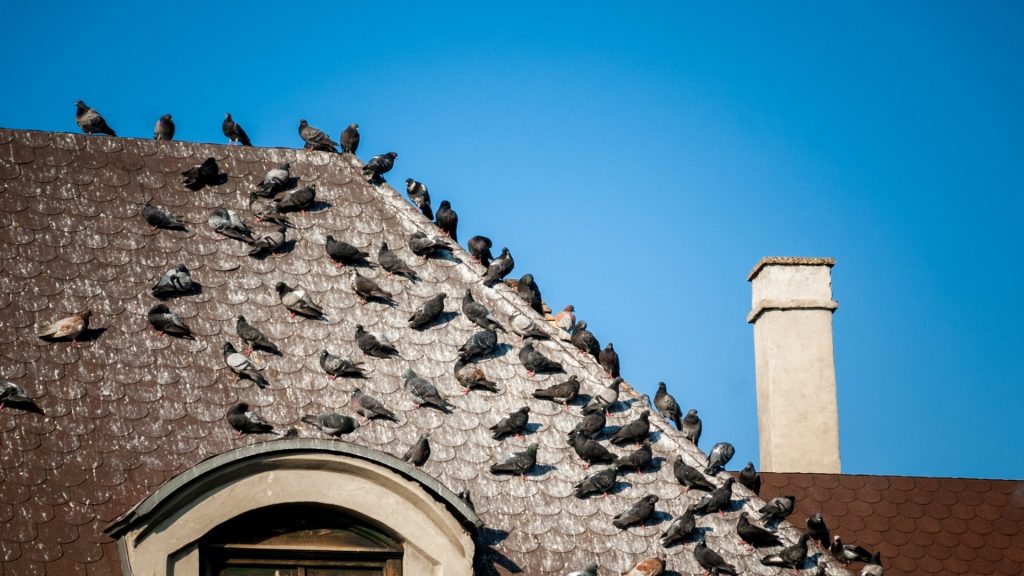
(645, 414)
(467, 297)
(359, 327)
(408, 373)
(527, 279)
(303, 123)
(391, 155)
(504, 252)
(323, 353)
(609, 347)
(227, 115)
(383, 247)
(569, 308)
(749, 466)
(803, 539)
(228, 348)
(691, 412)
(445, 205)
(286, 166)
(409, 182)
(166, 117)
(661, 387)
(651, 498)
(181, 268)
(241, 318)
(81, 106)
(353, 126)
(328, 239)
(442, 295)
(581, 325)
(524, 410)
(573, 379)
(282, 288)
(357, 391)
(615, 383)
(86, 315)
(730, 481)
(240, 408)
(532, 449)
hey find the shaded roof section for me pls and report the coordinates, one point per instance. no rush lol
(130, 409)
(919, 525)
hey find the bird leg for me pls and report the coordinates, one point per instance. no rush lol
(338, 265)
(465, 390)
(291, 314)
(531, 373)
(333, 376)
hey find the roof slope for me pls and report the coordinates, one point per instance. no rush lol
(130, 409)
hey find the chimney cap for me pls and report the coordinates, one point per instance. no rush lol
(788, 261)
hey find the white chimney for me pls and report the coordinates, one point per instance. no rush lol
(797, 415)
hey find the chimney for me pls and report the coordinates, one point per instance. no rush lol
(797, 416)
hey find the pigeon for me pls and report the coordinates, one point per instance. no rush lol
(241, 365)
(274, 180)
(234, 132)
(161, 218)
(634, 431)
(873, 566)
(720, 455)
(638, 513)
(169, 323)
(228, 223)
(588, 571)
(526, 328)
(69, 328)
(11, 393)
(777, 509)
(609, 360)
(372, 345)
(292, 432)
(447, 220)
(604, 399)
(298, 302)
(268, 241)
(332, 423)
(692, 427)
(423, 392)
(667, 406)
(591, 425)
(253, 338)
(589, 450)
(600, 482)
(584, 340)
(566, 319)
(712, 561)
(164, 129)
(298, 200)
(428, 311)
(478, 314)
(205, 174)
(790, 556)
(847, 553)
(537, 363)
(480, 249)
(480, 344)
(265, 210)
(514, 423)
(690, 477)
(518, 463)
(246, 422)
(750, 478)
(392, 263)
(315, 138)
(418, 453)
(369, 407)
(175, 282)
(420, 196)
(530, 293)
(472, 377)
(90, 120)
(648, 567)
(499, 268)
(636, 460)
(817, 530)
(378, 166)
(716, 500)
(368, 289)
(561, 393)
(350, 139)
(680, 529)
(755, 535)
(339, 367)
(344, 253)
(427, 246)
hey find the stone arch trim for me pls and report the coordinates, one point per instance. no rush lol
(161, 533)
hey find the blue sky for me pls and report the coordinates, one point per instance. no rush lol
(638, 160)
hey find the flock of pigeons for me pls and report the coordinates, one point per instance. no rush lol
(278, 194)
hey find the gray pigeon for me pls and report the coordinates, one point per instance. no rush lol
(174, 282)
(712, 561)
(846, 553)
(588, 571)
(609, 360)
(584, 340)
(680, 529)
(423, 392)
(427, 246)
(636, 460)
(447, 220)
(754, 535)
(340, 367)
(528, 290)
(517, 463)
(478, 314)
(350, 139)
(420, 196)
(332, 423)
(298, 302)
(692, 427)
(265, 210)
(472, 377)
(234, 133)
(369, 407)
(241, 365)
(604, 399)
(274, 180)
(750, 478)
(161, 218)
(418, 453)
(228, 223)
(298, 200)
(378, 166)
(634, 431)
(667, 406)
(392, 263)
(690, 477)
(269, 241)
(720, 455)
(561, 393)
(591, 425)
(373, 345)
(167, 322)
(526, 328)
(590, 451)
(90, 120)
(499, 268)
(246, 422)
(164, 129)
(480, 344)
(600, 482)
(344, 253)
(316, 139)
(428, 311)
(480, 249)
(11, 393)
(514, 423)
(537, 363)
(253, 338)
(368, 289)
(205, 174)
(817, 530)
(716, 500)
(777, 509)
(638, 513)
(791, 557)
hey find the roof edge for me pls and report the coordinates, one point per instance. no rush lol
(789, 261)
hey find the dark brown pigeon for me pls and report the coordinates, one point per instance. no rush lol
(350, 139)
(164, 129)
(234, 131)
(246, 422)
(316, 139)
(447, 220)
(90, 120)
(638, 513)
(480, 249)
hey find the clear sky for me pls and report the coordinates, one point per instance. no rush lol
(638, 159)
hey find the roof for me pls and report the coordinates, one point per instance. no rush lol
(919, 525)
(130, 409)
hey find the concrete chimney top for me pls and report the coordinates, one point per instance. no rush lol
(798, 418)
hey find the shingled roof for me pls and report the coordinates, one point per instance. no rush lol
(130, 409)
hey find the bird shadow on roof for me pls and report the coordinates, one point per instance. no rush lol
(217, 180)
(531, 428)
(287, 248)
(441, 319)
(540, 470)
(486, 558)
(25, 406)
(318, 206)
(91, 335)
